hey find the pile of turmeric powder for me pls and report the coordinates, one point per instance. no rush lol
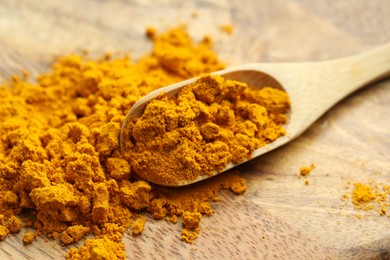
(60, 164)
(205, 126)
(370, 196)
(61, 170)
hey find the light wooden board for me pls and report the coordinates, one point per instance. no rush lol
(279, 216)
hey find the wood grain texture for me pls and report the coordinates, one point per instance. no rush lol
(279, 216)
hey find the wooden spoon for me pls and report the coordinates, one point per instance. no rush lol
(313, 87)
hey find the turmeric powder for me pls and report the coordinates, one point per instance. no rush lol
(208, 124)
(362, 193)
(4, 231)
(138, 225)
(191, 222)
(306, 170)
(29, 237)
(226, 28)
(370, 196)
(59, 156)
(14, 224)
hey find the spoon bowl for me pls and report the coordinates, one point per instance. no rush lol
(313, 88)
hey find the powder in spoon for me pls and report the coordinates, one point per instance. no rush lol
(207, 125)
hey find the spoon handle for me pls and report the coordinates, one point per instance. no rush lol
(314, 87)
(344, 76)
(359, 70)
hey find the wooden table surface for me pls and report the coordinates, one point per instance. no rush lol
(279, 216)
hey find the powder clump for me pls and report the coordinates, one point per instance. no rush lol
(29, 237)
(101, 248)
(14, 224)
(226, 28)
(138, 225)
(369, 196)
(306, 170)
(73, 234)
(362, 193)
(4, 231)
(191, 222)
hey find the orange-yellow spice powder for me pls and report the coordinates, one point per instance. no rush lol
(205, 126)
(59, 154)
(370, 197)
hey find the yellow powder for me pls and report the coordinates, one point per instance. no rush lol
(29, 237)
(306, 170)
(362, 193)
(14, 224)
(2, 220)
(151, 32)
(208, 124)
(102, 248)
(191, 220)
(189, 235)
(383, 210)
(370, 196)
(73, 234)
(191, 223)
(226, 28)
(138, 225)
(59, 149)
(4, 231)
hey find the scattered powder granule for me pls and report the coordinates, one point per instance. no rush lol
(383, 209)
(29, 237)
(151, 32)
(345, 196)
(306, 170)
(226, 28)
(370, 196)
